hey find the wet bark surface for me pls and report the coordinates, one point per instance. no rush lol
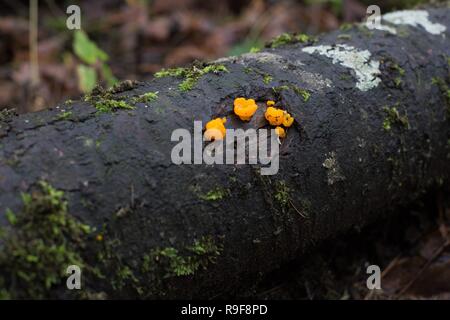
(340, 166)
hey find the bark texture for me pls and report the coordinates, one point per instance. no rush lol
(164, 230)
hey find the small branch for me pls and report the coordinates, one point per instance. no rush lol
(33, 41)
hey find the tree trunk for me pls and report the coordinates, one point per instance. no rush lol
(371, 132)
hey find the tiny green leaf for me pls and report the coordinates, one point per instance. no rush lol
(87, 78)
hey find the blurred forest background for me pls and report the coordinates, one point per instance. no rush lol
(136, 38)
(132, 39)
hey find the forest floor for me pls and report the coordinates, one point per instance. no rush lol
(411, 247)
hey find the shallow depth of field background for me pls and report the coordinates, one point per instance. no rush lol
(142, 36)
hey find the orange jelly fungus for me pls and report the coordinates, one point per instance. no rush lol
(288, 120)
(244, 108)
(215, 129)
(274, 116)
(270, 103)
(280, 132)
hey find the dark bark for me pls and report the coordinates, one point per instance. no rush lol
(117, 175)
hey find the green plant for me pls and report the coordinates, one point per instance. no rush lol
(93, 62)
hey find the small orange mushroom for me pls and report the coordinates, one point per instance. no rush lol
(270, 103)
(215, 129)
(245, 108)
(274, 116)
(288, 120)
(280, 132)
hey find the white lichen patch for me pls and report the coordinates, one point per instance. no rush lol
(366, 70)
(382, 27)
(262, 57)
(414, 18)
(334, 173)
(313, 81)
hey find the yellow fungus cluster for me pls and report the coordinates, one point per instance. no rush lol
(278, 117)
(245, 108)
(215, 129)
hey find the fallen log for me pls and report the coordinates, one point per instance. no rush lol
(91, 183)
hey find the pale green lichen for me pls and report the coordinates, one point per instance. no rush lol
(415, 18)
(366, 69)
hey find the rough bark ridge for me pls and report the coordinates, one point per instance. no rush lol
(367, 137)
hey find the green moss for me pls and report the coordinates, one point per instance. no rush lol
(305, 94)
(278, 89)
(190, 75)
(399, 69)
(248, 70)
(282, 193)
(64, 115)
(346, 26)
(188, 84)
(445, 91)
(173, 72)
(6, 114)
(104, 100)
(398, 81)
(110, 105)
(287, 38)
(42, 241)
(174, 263)
(400, 73)
(267, 78)
(215, 194)
(393, 117)
(123, 86)
(123, 277)
(302, 92)
(146, 97)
